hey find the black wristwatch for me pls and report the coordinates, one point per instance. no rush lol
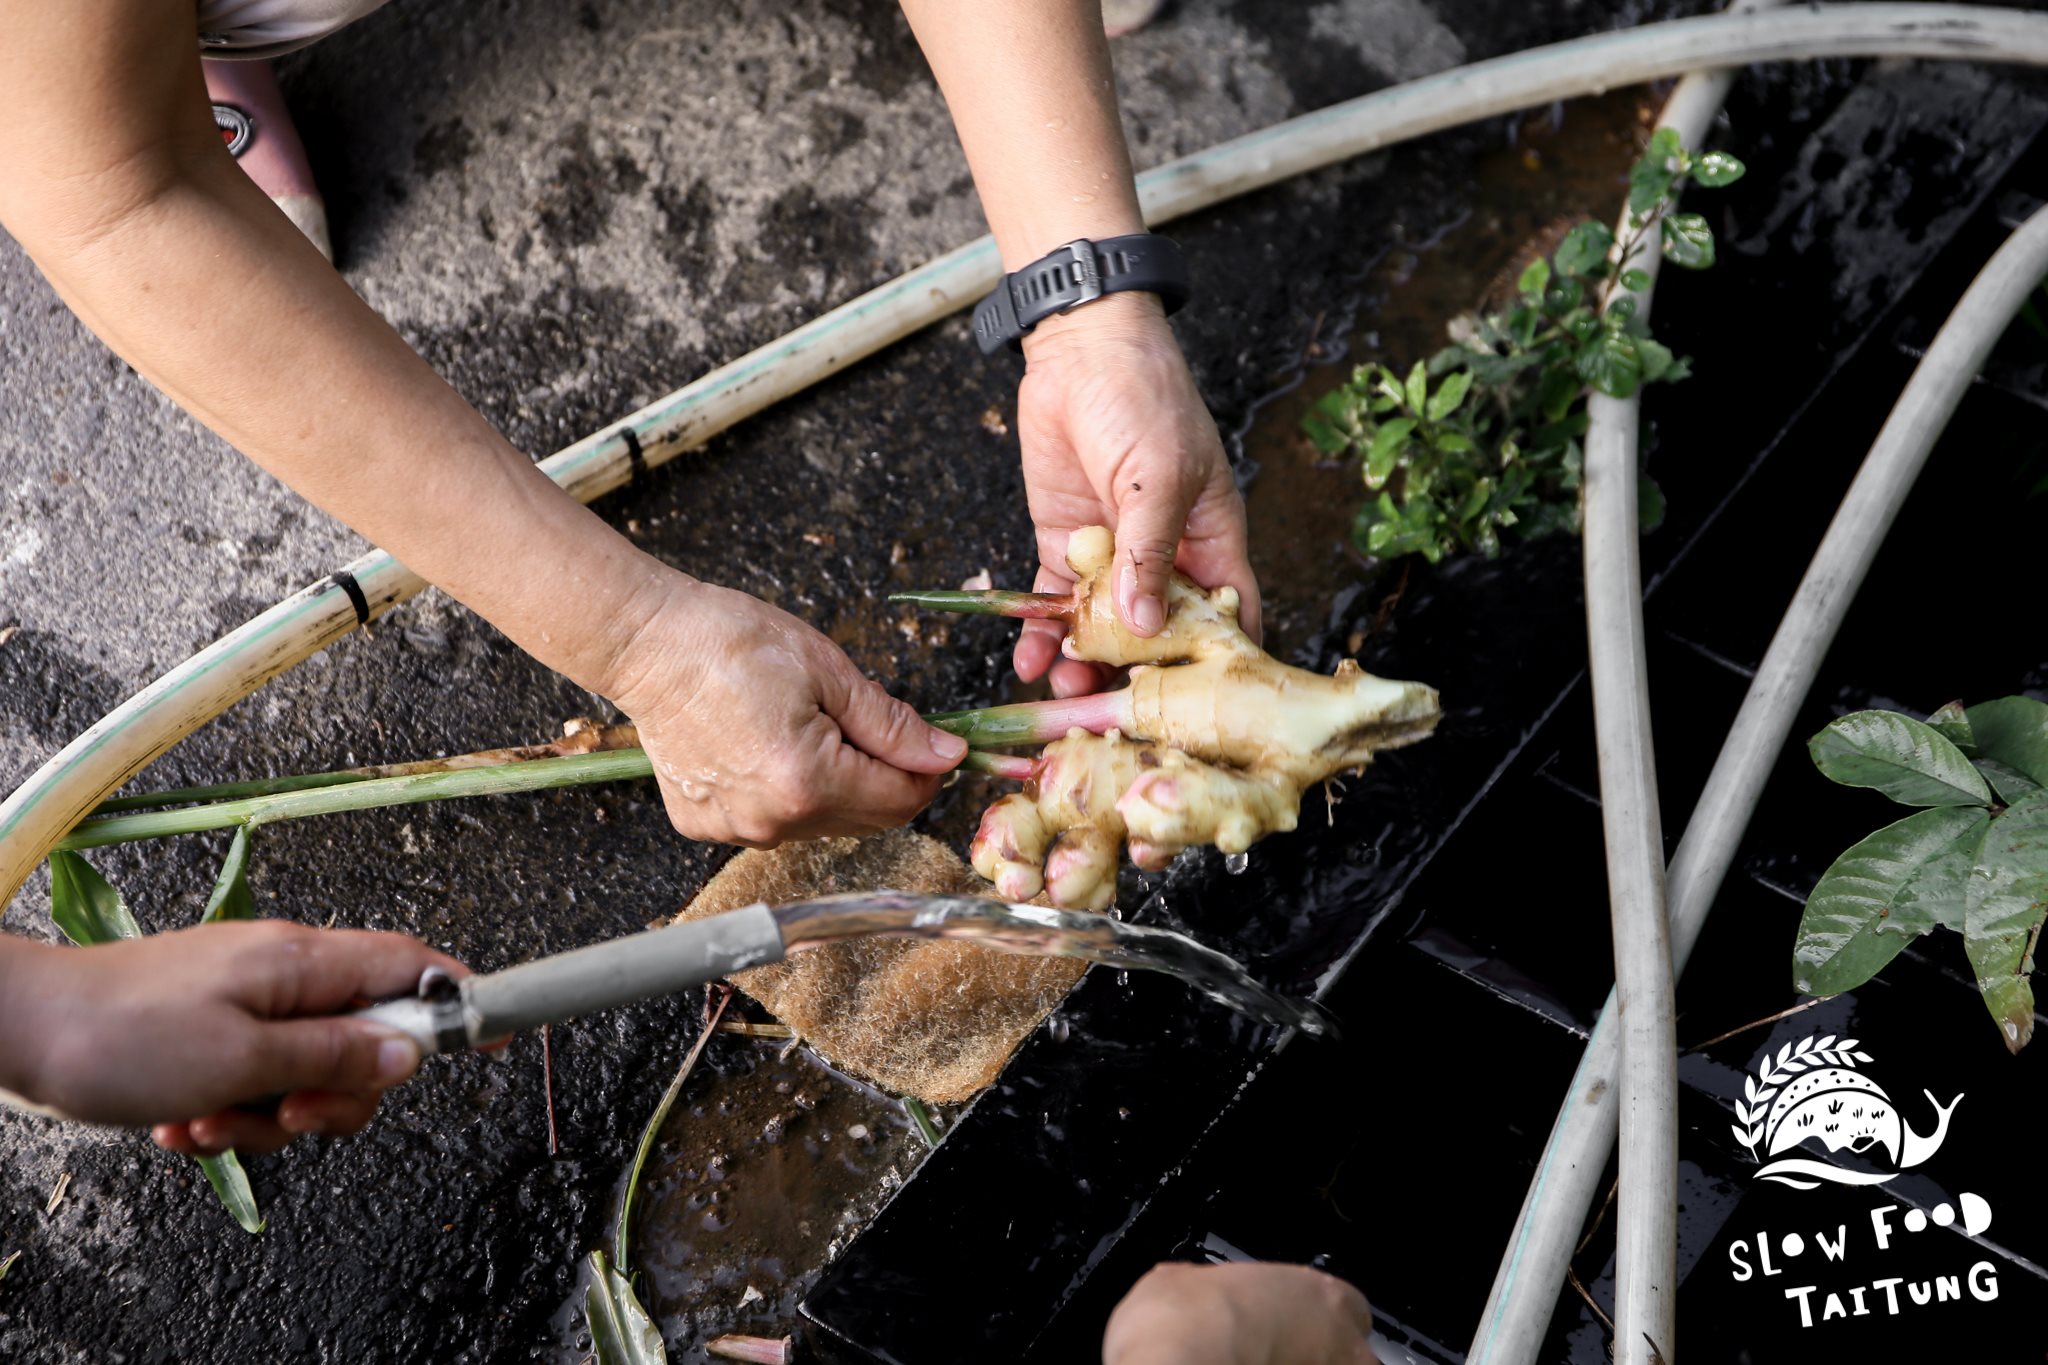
(1076, 274)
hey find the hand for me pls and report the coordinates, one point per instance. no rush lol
(1240, 1314)
(174, 1029)
(1114, 434)
(762, 730)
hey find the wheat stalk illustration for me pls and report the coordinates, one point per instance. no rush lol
(1759, 1090)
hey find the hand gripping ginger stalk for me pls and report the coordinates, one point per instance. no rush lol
(1213, 742)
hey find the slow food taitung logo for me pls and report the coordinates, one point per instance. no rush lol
(1812, 1091)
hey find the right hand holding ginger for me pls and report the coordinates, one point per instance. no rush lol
(762, 730)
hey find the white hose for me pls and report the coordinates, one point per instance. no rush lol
(1646, 1251)
(1561, 1194)
(87, 770)
(1645, 993)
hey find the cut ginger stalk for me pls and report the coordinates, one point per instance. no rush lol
(1213, 742)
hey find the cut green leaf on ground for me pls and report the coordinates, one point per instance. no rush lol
(621, 1333)
(622, 1242)
(231, 1183)
(231, 899)
(85, 905)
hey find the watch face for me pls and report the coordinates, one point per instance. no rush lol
(235, 128)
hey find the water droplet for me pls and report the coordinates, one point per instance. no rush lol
(1058, 1028)
(1084, 198)
(1055, 124)
(1234, 863)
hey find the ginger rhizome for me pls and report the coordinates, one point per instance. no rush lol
(1213, 742)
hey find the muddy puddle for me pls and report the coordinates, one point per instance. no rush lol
(768, 1165)
(757, 1185)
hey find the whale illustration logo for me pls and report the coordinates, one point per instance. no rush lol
(1812, 1092)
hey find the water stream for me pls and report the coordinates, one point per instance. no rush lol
(1047, 933)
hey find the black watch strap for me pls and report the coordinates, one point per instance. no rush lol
(1075, 274)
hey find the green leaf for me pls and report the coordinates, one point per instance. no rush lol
(621, 1333)
(1649, 179)
(2009, 783)
(1387, 444)
(1610, 364)
(1715, 169)
(1908, 761)
(1656, 358)
(1535, 278)
(1954, 724)
(1417, 391)
(1633, 278)
(1456, 443)
(231, 1183)
(2013, 730)
(1857, 918)
(7, 1263)
(1665, 147)
(1475, 500)
(1325, 438)
(1567, 294)
(84, 905)
(1621, 310)
(1688, 241)
(231, 899)
(1584, 248)
(1450, 358)
(1449, 394)
(1939, 894)
(1556, 391)
(2008, 897)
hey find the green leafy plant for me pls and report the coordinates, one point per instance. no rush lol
(1973, 860)
(90, 911)
(1483, 439)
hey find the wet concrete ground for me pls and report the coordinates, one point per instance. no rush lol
(570, 210)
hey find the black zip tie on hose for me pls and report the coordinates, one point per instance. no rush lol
(635, 456)
(346, 581)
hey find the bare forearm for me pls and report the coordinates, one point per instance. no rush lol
(1029, 86)
(297, 372)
